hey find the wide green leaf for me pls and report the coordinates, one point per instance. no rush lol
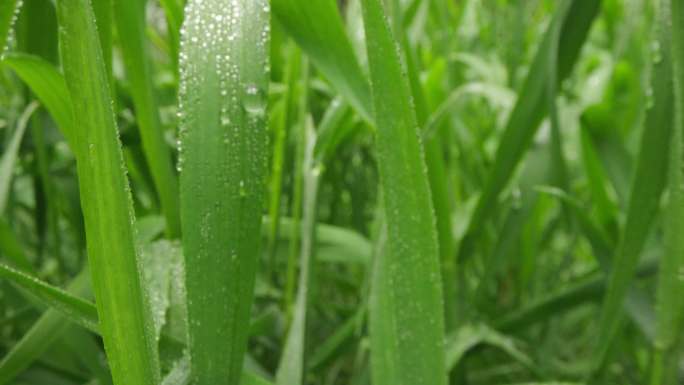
(406, 315)
(125, 320)
(224, 78)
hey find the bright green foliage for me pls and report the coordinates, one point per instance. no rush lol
(532, 105)
(670, 294)
(407, 332)
(130, 19)
(49, 85)
(356, 192)
(317, 28)
(222, 102)
(648, 184)
(105, 197)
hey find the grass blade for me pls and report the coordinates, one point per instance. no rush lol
(125, 321)
(49, 86)
(292, 362)
(42, 334)
(223, 165)
(130, 19)
(317, 27)
(530, 109)
(469, 336)
(647, 186)
(407, 330)
(670, 292)
(9, 157)
(79, 310)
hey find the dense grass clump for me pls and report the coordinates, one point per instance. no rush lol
(358, 192)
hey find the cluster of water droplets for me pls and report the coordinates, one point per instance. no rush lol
(11, 33)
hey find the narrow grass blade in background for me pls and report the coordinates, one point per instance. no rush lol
(317, 28)
(125, 320)
(48, 84)
(530, 109)
(9, 9)
(292, 361)
(9, 156)
(223, 157)
(174, 19)
(74, 308)
(407, 325)
(130, 20)
(50, 326)
(670, 292)
(647, 186)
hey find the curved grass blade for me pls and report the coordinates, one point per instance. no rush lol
(125, 321)
(647, 186)
(42, 334)
(129, 16)
(49, 86)
(670, 292)
(469, 336)
(318, 29)
(591, 289)
(224, 79)
(407, 325)
(530, 109)
(74, 308)
(9, 156)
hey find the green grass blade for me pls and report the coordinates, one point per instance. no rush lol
(469, 336)
(647, 186)
(292, 361)
(407, 330)
(280, 134)
(318, 29)
(670, 291)
(49, 86)
(530, 109)
(103, 18)
(559, 165)
(125, 321)
(174, 19)
(224, 80)
(9, 156)
(591, 289)
(9, 10)
(50, 326)
(300, 146)
(79, 310)
(129, 16)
